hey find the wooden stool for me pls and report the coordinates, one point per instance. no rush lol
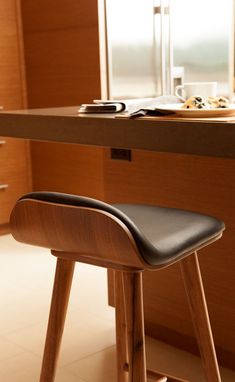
(128, 239)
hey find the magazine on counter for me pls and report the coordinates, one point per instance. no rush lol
(101, 107)
(117, 106)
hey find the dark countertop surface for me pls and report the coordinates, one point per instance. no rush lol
(202, 136)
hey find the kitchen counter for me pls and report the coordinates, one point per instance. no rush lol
(207, 136)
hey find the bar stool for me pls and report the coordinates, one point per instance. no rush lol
(128, 239)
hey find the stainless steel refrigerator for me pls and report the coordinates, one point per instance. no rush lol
(154, 45)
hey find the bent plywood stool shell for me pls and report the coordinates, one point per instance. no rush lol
(129, 239)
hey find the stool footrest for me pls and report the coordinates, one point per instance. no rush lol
(169, 378)
(157, 376)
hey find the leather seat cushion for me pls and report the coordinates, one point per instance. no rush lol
(163, 235)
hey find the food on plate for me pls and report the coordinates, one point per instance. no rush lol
(198, 102)
(218, 102)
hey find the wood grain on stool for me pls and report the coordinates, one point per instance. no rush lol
(59, 303)
(133, 292)
(197, 304)
(121, 329)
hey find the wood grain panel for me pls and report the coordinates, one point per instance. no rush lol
(4, 229)
(41, 15)
(14, 173)
(61, 52)
(196, 183)
(68, 168)
(62, 68)
(75, 232)
(17, 186)
(14, 154)
(10, 69)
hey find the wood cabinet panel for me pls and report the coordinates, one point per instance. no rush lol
(62, 68)
(14, 174)
(14, 154)
(68, 168)
(11, 71)
(17, 185)
(196, 183)
(41, 15)
(61, 52)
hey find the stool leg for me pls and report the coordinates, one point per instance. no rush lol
(59, 303)
(133, 291)
(121, 330)
(197, 303)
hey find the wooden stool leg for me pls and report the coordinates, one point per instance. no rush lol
(133, 292)
(59, 303)
(197, 303)
(121, 330)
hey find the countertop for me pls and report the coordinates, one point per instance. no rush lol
(202, 136)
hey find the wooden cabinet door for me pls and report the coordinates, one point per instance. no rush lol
(14, 154)
(63, 68)
(14, 174)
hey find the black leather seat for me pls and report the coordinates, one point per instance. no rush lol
(162, 235)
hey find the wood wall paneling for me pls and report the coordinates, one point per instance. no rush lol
(62, 68)
(15, 173)
(68, 168)
(61, 51)
(14, 154)
(11, 86)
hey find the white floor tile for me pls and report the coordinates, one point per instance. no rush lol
(84, 334)
(8, 350)
(26, 368)
(23, 367)
(89, 291)
(102, 370)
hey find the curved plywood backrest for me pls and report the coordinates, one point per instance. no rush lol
(88, 232)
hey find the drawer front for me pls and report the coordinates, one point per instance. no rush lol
(7, 146)
(10, 190)
(12, 151)
(14, 174)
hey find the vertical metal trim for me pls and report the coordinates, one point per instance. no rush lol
(163, 57)
(231, 53)
(171, 52)
(103, 50)
(155, 12)
(108, 55)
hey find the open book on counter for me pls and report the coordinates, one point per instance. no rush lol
(128, 105)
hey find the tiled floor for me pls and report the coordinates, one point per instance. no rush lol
(88, 351)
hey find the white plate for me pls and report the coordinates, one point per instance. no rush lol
(176, 108)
